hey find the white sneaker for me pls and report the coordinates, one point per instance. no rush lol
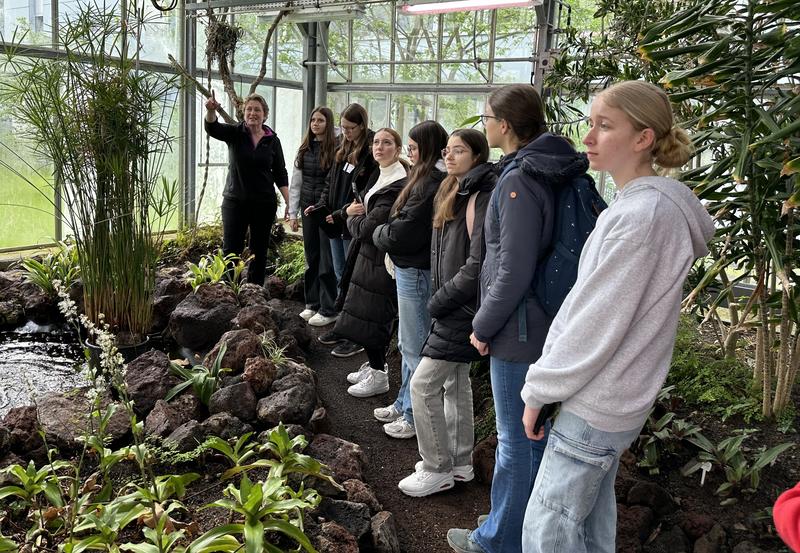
(399, 429)
(387, 414)
(423, 482)
(321, 320)
(376, 382)
(461, 473)
(360, 374)
(307, 313)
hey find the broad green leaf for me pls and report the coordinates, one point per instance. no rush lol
(217, 539)
(253, 537)
(789, 130)
(791, 167)
(290, 530)
(769, 456)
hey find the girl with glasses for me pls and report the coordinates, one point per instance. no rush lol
(441, 392)
(352, 167)
(510, 324)
(406, 237)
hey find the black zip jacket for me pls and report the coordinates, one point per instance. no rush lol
(407, 235)
(455, 271)
(252, 171)
(342, 186)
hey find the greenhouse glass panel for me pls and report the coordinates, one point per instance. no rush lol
(372, 41)
(417, 39)
(290, 53)
(454, 109)
(410, 109)
(337, 101)
(377, 106)
(466, 35)
(289, 122)
(30, 19)
(169, 167)
(159, 34)
(250, 47)
(217, 160)
(338, 50)
(514, 39)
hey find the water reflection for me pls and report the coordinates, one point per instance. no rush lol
(35, 360)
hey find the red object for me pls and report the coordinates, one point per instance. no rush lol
(786, 514)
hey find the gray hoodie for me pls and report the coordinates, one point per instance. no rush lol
(609, 348)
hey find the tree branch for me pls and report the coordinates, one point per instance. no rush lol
(203, 90)
(264, 52)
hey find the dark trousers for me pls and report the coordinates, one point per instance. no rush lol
(376, 358)
(237, 217)
(320, 279)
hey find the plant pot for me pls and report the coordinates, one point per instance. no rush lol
(129, 352)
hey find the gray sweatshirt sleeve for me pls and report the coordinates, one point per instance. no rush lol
(590, 327)
(295, 185)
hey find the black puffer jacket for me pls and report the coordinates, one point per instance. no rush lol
(341, 185)
(455, 270)
(407, 235)
(313, 175)
(370, 296)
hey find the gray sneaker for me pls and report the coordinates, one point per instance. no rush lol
(400, 429)
(460, 539)
(461, 473)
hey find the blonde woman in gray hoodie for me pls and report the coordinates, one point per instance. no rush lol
(608, 350)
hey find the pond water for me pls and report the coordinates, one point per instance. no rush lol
(35, 360)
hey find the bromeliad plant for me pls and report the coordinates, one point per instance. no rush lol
(103, 121)
(203, 380)
(59, 266)
(217, 267)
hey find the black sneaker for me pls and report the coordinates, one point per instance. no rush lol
(346, 349)
(329, 338)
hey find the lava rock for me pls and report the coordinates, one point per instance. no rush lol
(634, 524)
(319, 422)
(171, 289)
(671, 541)
(186, 437)
(712, 542)
(345, 459)
(256, 318)
(359, 492)
(65, 418)
(354, 517)
(653, 496)
(696, 524)
(203, 317)
(332, 538)
(746, 547)
(22, 424)
(239, 400)
(259, 372)
(483, 459)
(148, 379)
(294, 405)
(11, 313)
(164, 419)
(37, 305)
(252, 294)
(276, 287)
(296, 290)
(224, 425)
(241, 345)
(384, 533)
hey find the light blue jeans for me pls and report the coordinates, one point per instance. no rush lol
(516, 462)
(339, 249)
(413, 293)
(573, 507)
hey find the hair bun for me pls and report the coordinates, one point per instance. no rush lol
(674, 149)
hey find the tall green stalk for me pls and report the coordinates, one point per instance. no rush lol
(103, 122)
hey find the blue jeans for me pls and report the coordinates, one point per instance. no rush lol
(573, 507)
(413, 292)
(516, 462)
(339, 249)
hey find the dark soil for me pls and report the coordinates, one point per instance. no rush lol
(422, 523)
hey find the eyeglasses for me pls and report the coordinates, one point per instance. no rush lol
(454, 151)
(483, 117)
(349, 127)
(411, 149)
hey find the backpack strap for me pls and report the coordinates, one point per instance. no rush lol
(471, 214)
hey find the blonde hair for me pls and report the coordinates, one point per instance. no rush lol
(257, 98)
(648, 107)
